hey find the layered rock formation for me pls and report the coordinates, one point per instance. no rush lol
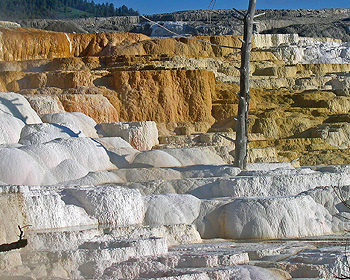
(299, 85)
(20, 44)
(130, 139)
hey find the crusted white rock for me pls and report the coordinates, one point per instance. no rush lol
(45, 209)
(69, 169)
(274, 217)
(310, 51)
(250, 183)
(45, 132)
(155, 158)
(113, 142)
(78, 121)
(19, 167)
(195, 156)
(86, 151)
(109, 204)
(45, 104)
(16, 105)
(171, 209)
(94, 179)
(142, 135)
(52, 162)
(10, 128)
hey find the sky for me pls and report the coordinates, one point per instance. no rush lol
(167, 6)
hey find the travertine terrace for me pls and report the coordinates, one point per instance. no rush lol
(299, 85)
(117, 150)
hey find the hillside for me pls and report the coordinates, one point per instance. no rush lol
(59, 9)
(332, 23)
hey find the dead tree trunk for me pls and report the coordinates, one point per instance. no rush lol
(241, 143)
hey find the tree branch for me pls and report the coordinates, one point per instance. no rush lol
(14, 245)
(259, 15)
(243, 15)
(212, 4)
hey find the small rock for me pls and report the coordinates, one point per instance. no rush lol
(141, 135)
(79, 121)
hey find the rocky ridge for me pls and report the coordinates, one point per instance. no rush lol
(332, 23)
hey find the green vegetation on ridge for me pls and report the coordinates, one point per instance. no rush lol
(57, 9)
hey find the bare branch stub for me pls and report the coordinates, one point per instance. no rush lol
(21, 233)
(259, 15)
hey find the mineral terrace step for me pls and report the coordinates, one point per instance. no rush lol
(223, 139)
(88, 261)
(226, 153)
(113, 259)
(170, 173)
(250, 183)
(204, 259)
(72, 239)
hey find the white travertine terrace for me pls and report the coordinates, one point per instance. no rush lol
(103, 203)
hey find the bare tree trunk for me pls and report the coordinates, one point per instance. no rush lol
(244, 96)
